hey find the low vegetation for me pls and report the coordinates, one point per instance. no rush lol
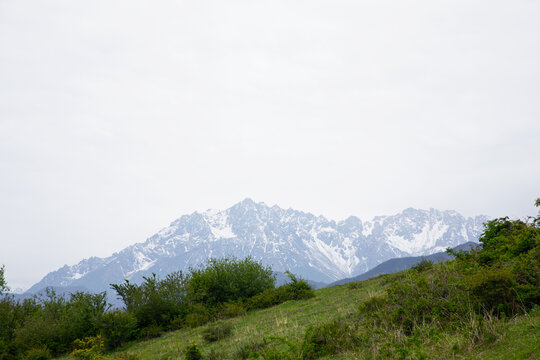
(485, 304)
(84, 324)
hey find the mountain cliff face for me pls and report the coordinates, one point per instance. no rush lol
(312, 246)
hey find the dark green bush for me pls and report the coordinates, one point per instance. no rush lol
(5, 353)
(118, 327)
(250, 350)
(12, 316)
(217, 332)
(231, 309)
(494, 290)
(439, 298)
(83, 315)
(271, 348)
(177, 322)
(423, 265)
(328, 339)
(229, 279)
(155, 301)
(193, 353)
(40, 329)
(527, 277)
(198, 315)
(373, 304)
(267, 298)
(41, 353)
(355, 285)
(296, 289)
(150, 332)
(55, 322)
(504, 275)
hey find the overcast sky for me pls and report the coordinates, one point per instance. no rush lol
(117, 117)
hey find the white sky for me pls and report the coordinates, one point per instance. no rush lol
(117, 117)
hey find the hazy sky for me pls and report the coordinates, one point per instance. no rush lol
(117, 117)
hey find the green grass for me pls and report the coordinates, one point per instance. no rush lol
(520, 340)
(287, 321)
(517, 338)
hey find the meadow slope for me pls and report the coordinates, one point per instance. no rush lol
(283, 326)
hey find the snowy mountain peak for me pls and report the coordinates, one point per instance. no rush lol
(311, 246)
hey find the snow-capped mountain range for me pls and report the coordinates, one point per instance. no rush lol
(311, 246)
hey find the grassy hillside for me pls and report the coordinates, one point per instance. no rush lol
(286, 321)
(484, 304)
(283, 327)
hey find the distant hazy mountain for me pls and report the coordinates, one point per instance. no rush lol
(311, 246)
(400, 264)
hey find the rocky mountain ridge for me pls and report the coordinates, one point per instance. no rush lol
(311, 246)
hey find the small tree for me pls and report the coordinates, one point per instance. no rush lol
(155, 301)
(537, 204)
(3, 283)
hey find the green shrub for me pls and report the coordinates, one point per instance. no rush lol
(439, 298)
(231, 309)
(494, 290)
(265, 299)
(503, 274)
(118, 327)
(83, 315)
(423, 265)
(50, 321)
(250, 350)
(39, 329)
(198, 315)
(355, 285)
(228, 279)
(527, 277)
(177, 323)
(41, 353)
(90, 348)
(297, 289)
(5, 350)
(196, 320)
(155, 301)
(375, 311)
(150, 332)
(217, 332)
(328, 339)
(193, 353)
(271, 348)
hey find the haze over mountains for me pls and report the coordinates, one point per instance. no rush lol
(311, 246)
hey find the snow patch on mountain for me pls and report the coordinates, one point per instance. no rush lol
(420, 242)
(219, 225)
(78, 275)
